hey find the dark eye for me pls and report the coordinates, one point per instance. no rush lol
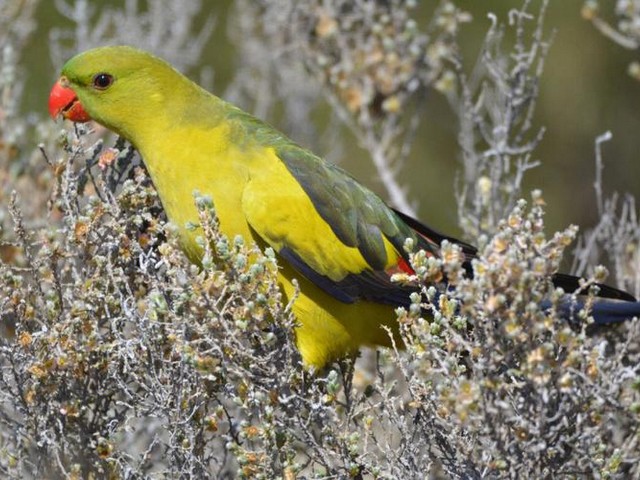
(102, 81)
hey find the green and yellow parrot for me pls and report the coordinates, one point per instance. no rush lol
(337, 238)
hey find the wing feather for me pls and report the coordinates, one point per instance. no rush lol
(330, 229)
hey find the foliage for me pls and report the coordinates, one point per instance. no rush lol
(505, 386)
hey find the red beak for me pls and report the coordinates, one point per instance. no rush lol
(64, 101)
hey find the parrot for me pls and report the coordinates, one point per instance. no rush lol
(337, 243)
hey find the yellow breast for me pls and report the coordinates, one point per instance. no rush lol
(328, 328)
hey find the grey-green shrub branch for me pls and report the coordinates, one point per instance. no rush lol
(494, 105)
(616, 237)
(108, 336)
(166, 28)
(521, 392)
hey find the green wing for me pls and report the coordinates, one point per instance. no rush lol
(329, 228)
(332, 230)
(357, 216)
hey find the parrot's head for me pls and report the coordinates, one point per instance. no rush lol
(120, 87)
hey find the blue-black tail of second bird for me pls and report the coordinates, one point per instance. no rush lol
(611, 305)
(605, 311)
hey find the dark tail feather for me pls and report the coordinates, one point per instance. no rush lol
(570, 283)
(604, 311)
(611, 306)
(609, 311)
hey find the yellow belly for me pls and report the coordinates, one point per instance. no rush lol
(329, 329)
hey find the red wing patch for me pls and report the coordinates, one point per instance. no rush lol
(401, 267)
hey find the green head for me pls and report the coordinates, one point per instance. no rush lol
(125, 89)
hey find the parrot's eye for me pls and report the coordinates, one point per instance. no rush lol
(102, 81)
